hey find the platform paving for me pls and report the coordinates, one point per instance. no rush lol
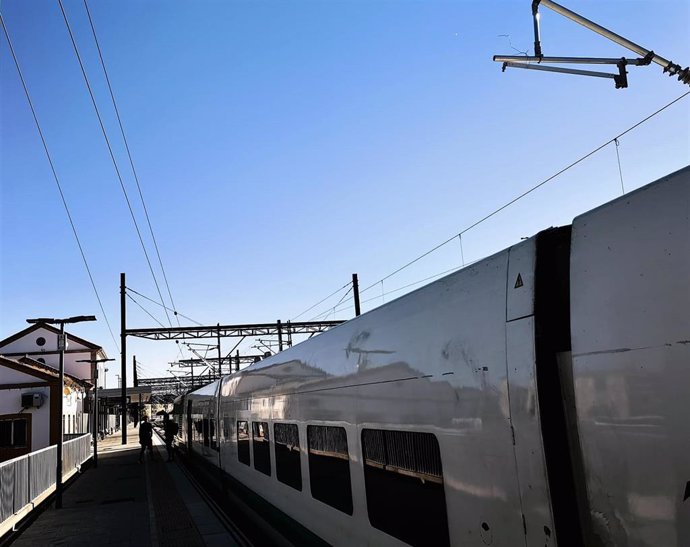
(123, 502)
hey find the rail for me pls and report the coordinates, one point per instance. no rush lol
(27, 480)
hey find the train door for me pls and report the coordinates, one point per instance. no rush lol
(530, 468)
(537, 330)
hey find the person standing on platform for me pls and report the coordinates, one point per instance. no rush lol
(145, 438)
(171, 429)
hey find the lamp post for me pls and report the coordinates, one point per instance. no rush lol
(61, 346)
(105, 377)
(94, 364)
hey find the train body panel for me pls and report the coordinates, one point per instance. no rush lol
(432, 362)
(630, 282)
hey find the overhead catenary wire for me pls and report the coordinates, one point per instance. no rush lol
(322, 300)
(163, 306)
(57, 180)
(110, 150)
(527, 192)
(129, 155)
(337, 309)
(145, 310)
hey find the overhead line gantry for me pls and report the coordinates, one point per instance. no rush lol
(278, 328)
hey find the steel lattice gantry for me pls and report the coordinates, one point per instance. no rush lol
(225, 331)
(176, 385)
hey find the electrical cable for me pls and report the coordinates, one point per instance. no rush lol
(163, 306)
(529, 191)
(57, 180)
(620, 170)
(129, 155)
(145, 310)
(321, 301)
(112, 155)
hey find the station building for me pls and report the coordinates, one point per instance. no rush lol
(30, 390)
(40, 342)
(29, 397)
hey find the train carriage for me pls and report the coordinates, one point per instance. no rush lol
(521, 400)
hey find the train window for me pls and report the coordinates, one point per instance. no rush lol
(243, 443)
(404, 485)
(288, 469)
(329, 466)
(262, 451)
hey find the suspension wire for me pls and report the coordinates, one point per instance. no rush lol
(620, 171)
(112, 155)
(530, 190)
(332, 309)
(321, 301)
(57, 180)
(462, 252)
(398, 289)
(161, 305)
(145, 310)
(343, 297)
(129, 155)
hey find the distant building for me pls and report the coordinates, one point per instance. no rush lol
(39, 341)
(29, 396)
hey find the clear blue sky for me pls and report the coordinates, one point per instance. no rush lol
(282, 146)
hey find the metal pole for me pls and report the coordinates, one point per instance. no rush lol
(280, 336)
(134, 371)
(537, 33)
(591, 25)
(237, 361)
(123, 355)
(573, 60)
(355, 290)
(561, 70)
(95, 416)
(220, 357)
(58, 469)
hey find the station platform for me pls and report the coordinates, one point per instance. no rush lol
(127, 503)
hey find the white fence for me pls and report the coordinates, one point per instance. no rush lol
(24, 479)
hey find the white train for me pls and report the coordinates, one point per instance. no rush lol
(539, 397)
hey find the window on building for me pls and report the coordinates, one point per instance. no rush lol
(288, 467)
(5, 433)
(19, 433)
(404, 485)
(329, 466)
(14, 432)
(243, 443)
(261, 445)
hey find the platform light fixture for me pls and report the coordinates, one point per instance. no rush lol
(61, 346)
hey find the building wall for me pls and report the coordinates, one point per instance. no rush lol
(11, 403)
(28, 345)
(11, 376)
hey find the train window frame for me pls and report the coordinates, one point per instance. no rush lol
(403, 482)
(330, 478)
(261, 445)
(243, 451)
(288, 459)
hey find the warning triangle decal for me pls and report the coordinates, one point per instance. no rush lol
(518, 282)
